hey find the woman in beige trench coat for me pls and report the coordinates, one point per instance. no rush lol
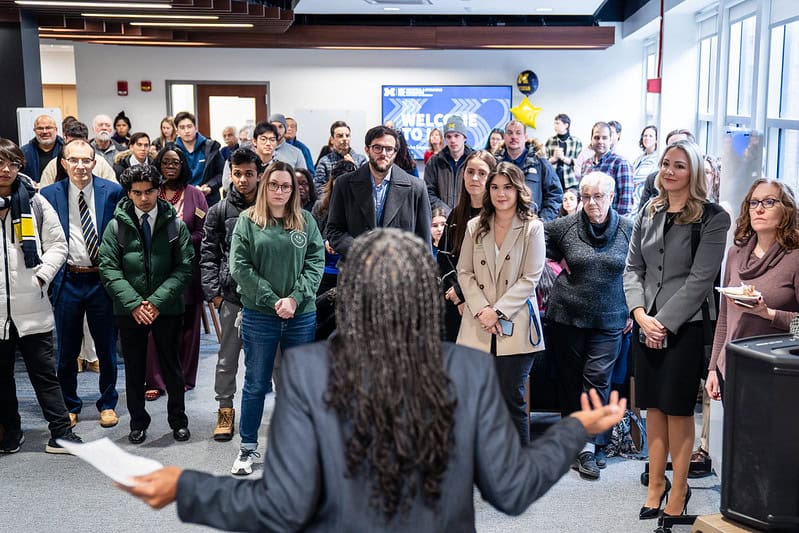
(501, 260)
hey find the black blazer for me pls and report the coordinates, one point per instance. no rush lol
(352, 207)
(304, 486)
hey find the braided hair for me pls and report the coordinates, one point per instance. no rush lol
(387, 381)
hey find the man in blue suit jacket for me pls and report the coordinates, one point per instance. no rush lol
(85, 204)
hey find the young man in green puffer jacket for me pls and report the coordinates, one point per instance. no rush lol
(145, 264)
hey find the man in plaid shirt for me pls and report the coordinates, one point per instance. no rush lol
(605, 160)
(562, 151)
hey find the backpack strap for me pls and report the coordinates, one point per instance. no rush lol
(696, 236)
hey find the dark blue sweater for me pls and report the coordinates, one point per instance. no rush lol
(592, 296)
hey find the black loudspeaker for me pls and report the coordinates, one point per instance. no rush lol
(760, 470)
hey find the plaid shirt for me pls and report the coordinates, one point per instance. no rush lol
(620, 170)
(566, 172)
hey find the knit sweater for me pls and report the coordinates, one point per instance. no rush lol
(271, 263)
(592, 295)
(776, 276)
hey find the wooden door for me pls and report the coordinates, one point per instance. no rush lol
(64, 97)
(251, 100)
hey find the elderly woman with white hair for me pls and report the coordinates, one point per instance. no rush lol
(587, 312)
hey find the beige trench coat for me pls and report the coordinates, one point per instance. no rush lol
(505, 281)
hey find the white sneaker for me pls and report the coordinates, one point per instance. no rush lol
(242, 466)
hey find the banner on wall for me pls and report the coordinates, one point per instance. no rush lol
(417, 109)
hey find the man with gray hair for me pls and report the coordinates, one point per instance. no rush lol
(43, 148)
(102, 143)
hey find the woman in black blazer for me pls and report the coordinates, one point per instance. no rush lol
(665, 284)
(370, 417)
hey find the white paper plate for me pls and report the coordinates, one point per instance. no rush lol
(733, 293)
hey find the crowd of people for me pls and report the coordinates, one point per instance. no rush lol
(529, 248)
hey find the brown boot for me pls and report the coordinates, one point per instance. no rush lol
(224, 424)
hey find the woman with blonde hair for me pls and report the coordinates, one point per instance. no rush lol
(501, 260)
(435, 143)
(674, 257)
(277, 259)
(168, 133)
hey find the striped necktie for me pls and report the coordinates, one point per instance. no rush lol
(87, 226)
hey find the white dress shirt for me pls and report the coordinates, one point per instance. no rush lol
(78, 255)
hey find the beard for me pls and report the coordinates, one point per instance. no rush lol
(45, 142)
(380, 166)
(103, 136)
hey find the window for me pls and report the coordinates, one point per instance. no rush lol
(782, 120)
(740, 90)
(708, 53)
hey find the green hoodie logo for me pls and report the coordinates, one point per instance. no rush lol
(299, 239)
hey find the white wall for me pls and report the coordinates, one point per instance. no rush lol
(588, 85)
(58, 63)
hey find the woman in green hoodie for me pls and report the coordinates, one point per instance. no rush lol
(277, 258)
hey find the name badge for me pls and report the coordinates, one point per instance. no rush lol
(199, 213)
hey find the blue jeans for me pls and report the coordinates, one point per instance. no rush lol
(261, 334)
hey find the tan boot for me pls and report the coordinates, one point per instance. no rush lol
(108, 418)
(93, 366)
(224, 424)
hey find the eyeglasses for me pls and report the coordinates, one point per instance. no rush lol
(10, 165)
(378, 148)
(274, 187)
(767, 203)
(172, 163)
(586, 198)
(44, 128)
(265, 139)
(75, 160)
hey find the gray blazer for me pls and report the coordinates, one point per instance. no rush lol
(659, 272)
(352, 207)
(304, 486)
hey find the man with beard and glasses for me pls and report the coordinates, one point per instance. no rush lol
(284, 151)
(43, 148)
(102, 143)
(379, 194)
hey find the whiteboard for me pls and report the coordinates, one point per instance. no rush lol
(26, 116)
(314, 127)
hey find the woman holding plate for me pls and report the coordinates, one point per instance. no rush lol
(765, 257)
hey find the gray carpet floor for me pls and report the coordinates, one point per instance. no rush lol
(48, 493)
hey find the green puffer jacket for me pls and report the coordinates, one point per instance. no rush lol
(129, 278)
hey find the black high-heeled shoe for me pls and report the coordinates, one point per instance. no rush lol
(647, 513)
(684, 507)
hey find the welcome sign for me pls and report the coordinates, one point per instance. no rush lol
(417, 109)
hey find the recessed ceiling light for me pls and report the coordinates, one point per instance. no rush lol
(141, 16)
(543, 9)
(192, 24)
(391, 9)
(151, 43)
(114, 5)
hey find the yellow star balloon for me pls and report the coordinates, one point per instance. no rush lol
(526, 113)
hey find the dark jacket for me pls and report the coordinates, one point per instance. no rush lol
(444, 186)
(305, 485)
(31, 151)
(543, 182)
(106, 196)
(215, 249)
(591, 295)
(122, 162)
(214, 165)
(352, 207)
(129, 277)
(649, 191)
